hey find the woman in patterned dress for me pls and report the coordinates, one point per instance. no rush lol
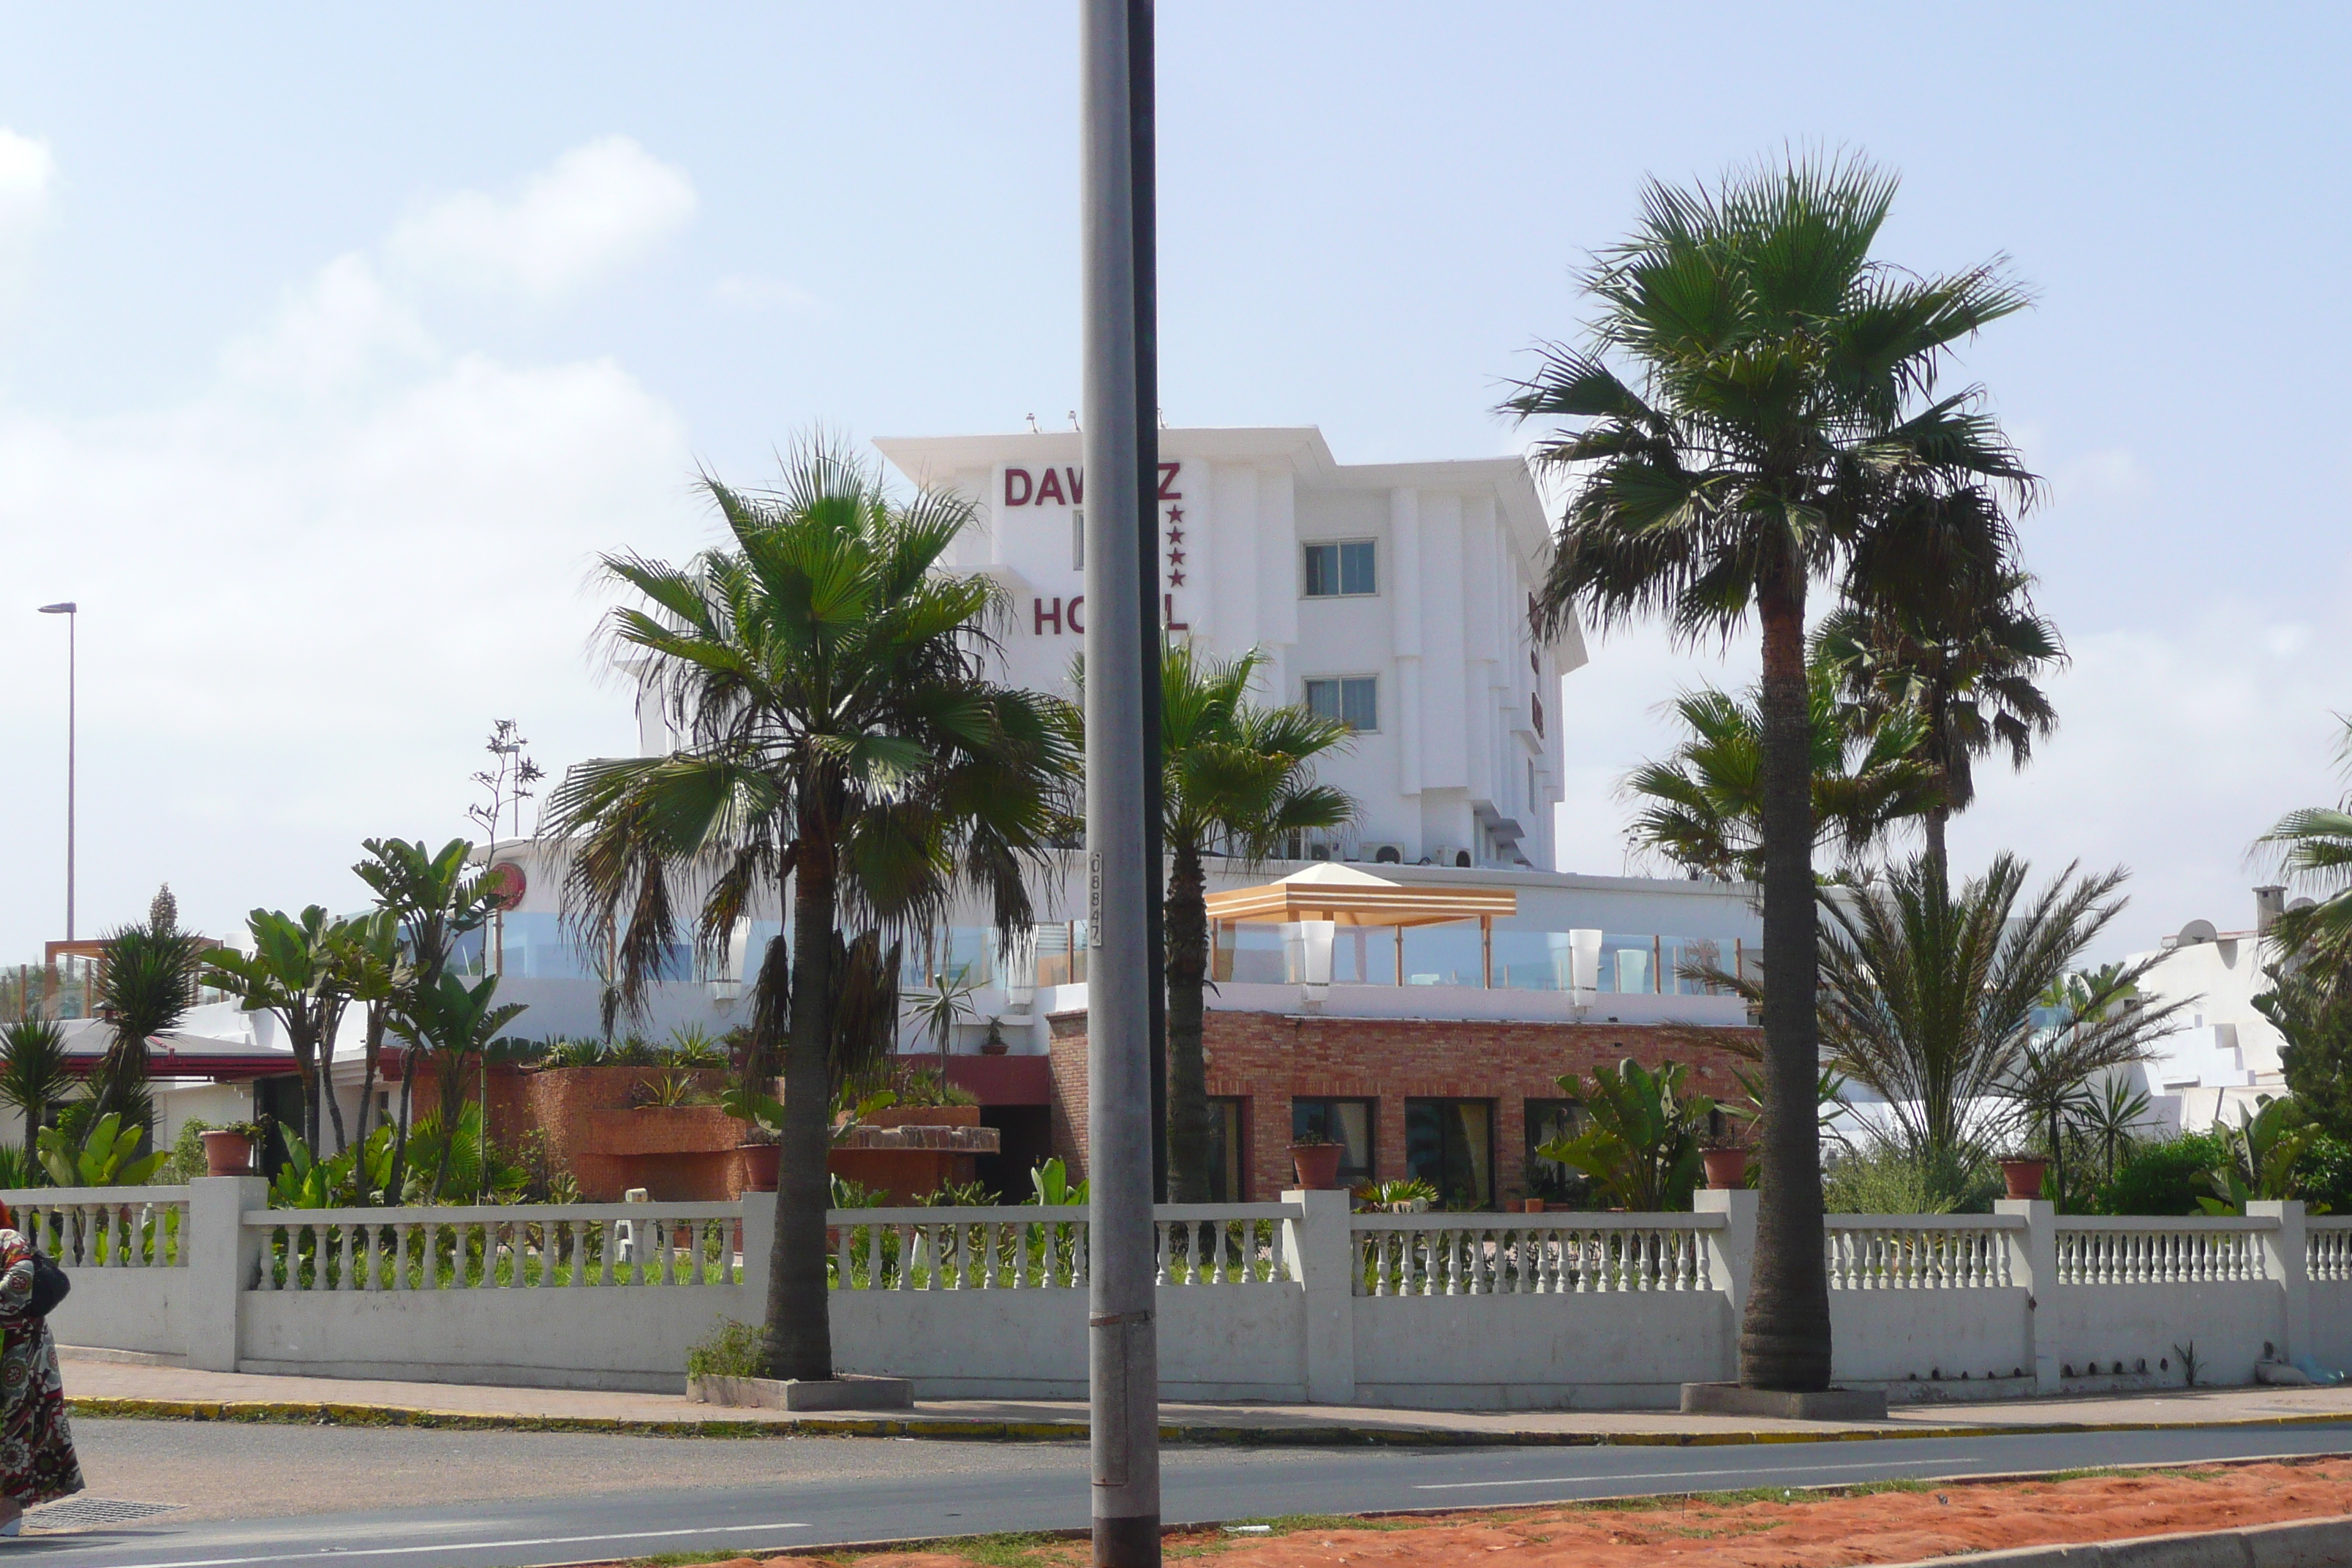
(37, 1452)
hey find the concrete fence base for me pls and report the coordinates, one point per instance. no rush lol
(2304, 1543)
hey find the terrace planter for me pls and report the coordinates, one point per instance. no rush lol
(227, 1154)
(925, 1116)
(760, 1166)
(1317, 1164)
(1725, 1168)
(2023, 1176)
(914, 1158)
(666, 1130)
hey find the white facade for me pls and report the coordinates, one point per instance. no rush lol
(1422, 638)
(2225, 1059)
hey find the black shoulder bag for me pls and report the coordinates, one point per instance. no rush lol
(51, 1284)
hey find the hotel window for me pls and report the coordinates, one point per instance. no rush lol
(1340, 570)
(1354, 699)
(1346, 1123)
(1449, 1144)
(1548, 1120)
(1228, 1173)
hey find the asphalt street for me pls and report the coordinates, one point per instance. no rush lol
(840, 1490)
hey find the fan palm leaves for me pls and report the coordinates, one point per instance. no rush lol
(1702, 806)
(1961, 667)
(2312, 849)
(1758, 404)
(1238, 780)
(829, 677)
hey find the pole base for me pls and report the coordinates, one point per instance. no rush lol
(1826, 1404)
(1129, 1542)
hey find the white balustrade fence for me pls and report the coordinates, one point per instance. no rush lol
(535, 1246)
(1474, 1255)
(2170, 1252)
(106, 1227)
(1296, 1299)
(1920, 1252)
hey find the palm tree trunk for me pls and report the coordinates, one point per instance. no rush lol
(799, 1330)
(1937, 817)
(34, 1110)
(1784, 1341)
(1188, 1076)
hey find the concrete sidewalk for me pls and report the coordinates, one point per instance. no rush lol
(111, 1387)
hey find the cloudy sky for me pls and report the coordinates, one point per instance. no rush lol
(334, 343)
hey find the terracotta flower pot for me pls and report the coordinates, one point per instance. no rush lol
(226, 1153)
(1725, 1168)
(995, 1047)
(1317, 1164)
(759, 1163)
(2023, 1176)
(1532, 1205)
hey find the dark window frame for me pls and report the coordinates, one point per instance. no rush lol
(1442, 1181)
(1350, 1174)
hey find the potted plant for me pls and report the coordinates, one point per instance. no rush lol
(763, 1115)
(2020, 1173)
(228, 1151)
(996, 1045)
(1317, 1160)
(1727, 1165)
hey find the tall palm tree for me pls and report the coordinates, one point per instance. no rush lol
(1703, 805)
(842, 734)
(1238, 779)
(2312, 849)
(1928, 997)
(1779, 420)
(1964, 665)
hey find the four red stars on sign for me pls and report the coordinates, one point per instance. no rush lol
(1175, 547)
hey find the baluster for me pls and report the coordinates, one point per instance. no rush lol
(1082, 1257)
(1161, 1246)
(268, 1280)
(906, 1234)
(400, 1254)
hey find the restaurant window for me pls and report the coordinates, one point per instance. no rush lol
(1228, 1169)
(1346, 1123)
(1353, 699)
(1449, 1144)
(1548, 1120)
(1339, 570)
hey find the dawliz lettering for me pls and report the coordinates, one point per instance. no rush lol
(1067, 486)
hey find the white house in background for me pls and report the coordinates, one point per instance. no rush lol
(1392, 595)
(2225, 1057)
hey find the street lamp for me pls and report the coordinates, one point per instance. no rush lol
(70, 610)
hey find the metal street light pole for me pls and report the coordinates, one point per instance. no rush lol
(71, 612)
(1143, 154)
(1122, 1348)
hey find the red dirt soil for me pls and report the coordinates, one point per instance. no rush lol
(1820, 1531)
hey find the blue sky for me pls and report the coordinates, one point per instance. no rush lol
(333, 343)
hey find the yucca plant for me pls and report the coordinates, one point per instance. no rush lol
(35, 1074)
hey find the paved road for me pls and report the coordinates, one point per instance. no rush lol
(633, 1502)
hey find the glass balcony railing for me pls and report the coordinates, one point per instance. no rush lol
(1627, 964)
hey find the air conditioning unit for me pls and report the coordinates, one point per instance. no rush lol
(1318, 852)
(1448, 855)
(1386, 854)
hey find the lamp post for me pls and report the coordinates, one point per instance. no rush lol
(1123, 1363)
(71, 612)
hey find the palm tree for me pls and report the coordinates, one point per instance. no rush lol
(146, 983)
(842, 733)
(1702, 806)
(1962, 666)
(452, 1021)
(434, 899)
(296, 973)
(1237, 779)
(34, 1076)
(2312, 849)
(1929, 998)
(1781, 422)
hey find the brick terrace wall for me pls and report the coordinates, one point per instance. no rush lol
(563, 1102)
(1265, 1058)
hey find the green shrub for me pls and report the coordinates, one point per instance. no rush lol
(730, 1350)
(2324, 1173)
(2166, 1177)
(1886, 1178)
(186, 1160)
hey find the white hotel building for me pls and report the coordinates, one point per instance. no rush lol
(1395, 595)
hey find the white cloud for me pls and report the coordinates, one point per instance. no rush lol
(594, 210)
(28, 170)
(751, 292)
(330, 333)
(2108, 474)
(301, 613)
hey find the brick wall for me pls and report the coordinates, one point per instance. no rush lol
(1265, 1058)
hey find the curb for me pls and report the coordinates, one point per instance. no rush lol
(955, 1430)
